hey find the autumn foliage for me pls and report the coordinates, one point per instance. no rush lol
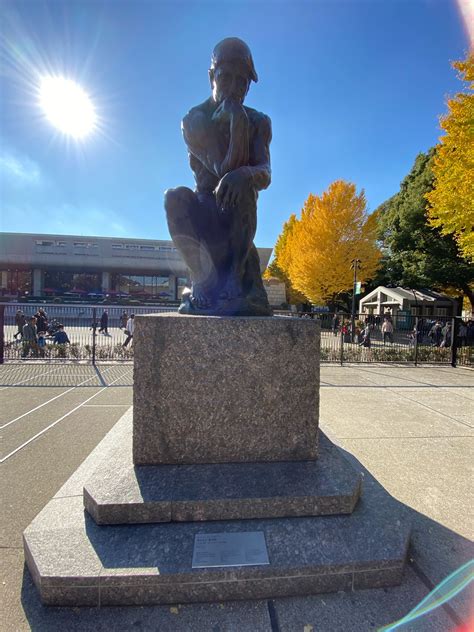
(451, 202)
(315, 251)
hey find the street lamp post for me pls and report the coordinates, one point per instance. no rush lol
(355, 265)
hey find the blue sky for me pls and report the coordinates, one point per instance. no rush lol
(354, 90)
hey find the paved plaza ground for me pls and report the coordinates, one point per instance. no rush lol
(407, 429)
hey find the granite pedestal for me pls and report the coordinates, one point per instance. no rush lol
(183, 475)
(221, 390)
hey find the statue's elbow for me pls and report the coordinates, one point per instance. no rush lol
(267, 180)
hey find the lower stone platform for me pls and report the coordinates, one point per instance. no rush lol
(75, 562)
(119, 493)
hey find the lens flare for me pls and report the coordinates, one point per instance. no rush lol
(67, 106)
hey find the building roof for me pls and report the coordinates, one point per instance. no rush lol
(399, 294)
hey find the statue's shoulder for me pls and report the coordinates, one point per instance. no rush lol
(197, 118)
(259, 120)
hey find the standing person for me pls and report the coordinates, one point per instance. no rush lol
(123, 320)
(41, 320)
(446, 335)
(130, 329)
(335, 324)
(387, 330)
(104, 322)
(20, 321)
(436, 334)
(462, 334)
(30, 338)
(41, 343)
(366, 342)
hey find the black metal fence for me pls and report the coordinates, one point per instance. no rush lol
(93, 338)
(399, 339)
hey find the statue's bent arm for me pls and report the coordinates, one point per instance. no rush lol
(259, 165)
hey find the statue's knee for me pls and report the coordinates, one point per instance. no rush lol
(178, 201)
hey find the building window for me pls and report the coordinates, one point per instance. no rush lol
(44, 242)
(117, 246)
(47, 243)
(15, 282)
(142, 286)
(441, 311)
(84, 244)
(80, 283)
(143, 247)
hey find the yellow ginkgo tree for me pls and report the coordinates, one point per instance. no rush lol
(318, 248)
(451, 202)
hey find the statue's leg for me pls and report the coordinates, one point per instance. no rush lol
(186, 217)
(252, 283)
(242, 228)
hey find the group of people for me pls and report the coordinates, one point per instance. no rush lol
(34, 331)
(127, 324)
(439, 334)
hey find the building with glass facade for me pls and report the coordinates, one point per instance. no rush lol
(59, 265)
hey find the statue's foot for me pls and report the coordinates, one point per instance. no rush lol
(195, 301)
(232, 289)
(199, 297)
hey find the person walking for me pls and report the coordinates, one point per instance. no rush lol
(123, 320)
(41, 320)
(366, 342)
(130, 329)
(335, 324)
(104, 322)
(387, 330)
(20, 322)
(30, 338)
(446, 342)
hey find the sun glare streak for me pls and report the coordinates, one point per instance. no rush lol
(466, 9)
(67, 106)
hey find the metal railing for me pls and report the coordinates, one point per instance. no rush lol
(410, 339)
(91, 337)
(413, 340)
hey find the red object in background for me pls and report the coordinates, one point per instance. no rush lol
(466, 627)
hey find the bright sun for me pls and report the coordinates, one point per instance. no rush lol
(67, 106)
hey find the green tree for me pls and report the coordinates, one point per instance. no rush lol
(415, 254)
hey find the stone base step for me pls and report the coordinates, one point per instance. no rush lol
(119, 493)
(75, 562)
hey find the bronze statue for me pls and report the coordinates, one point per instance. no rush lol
(214, 226)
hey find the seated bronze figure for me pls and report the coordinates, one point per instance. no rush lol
(214, 226)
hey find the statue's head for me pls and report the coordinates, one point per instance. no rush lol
(231, 70)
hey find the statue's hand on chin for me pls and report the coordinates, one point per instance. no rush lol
(227, 110)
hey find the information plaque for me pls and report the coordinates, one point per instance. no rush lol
(230, 549)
